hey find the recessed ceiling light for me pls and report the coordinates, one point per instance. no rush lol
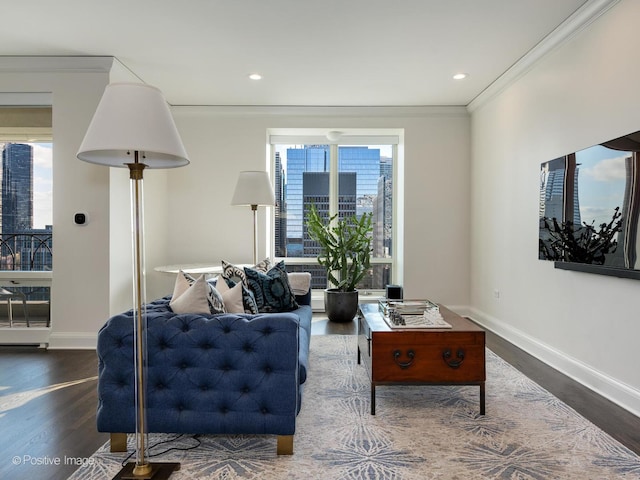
(460, 76)
(255, 76)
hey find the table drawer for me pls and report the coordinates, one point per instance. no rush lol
(453, 361)
(429, 337)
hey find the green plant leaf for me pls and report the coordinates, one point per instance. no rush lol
(345, 246)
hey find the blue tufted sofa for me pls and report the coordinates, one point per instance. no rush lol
(207, 374)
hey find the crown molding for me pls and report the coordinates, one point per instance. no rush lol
(323, 111)
(578, 21)
(53, 64)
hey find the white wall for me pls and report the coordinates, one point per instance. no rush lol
(92, 264)
(584, 93)
(222, 141)
(188, 216)
(80, 289)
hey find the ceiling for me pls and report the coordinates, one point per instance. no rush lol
(326, 52)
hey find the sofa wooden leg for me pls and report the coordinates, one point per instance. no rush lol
(118, 442)
(285, 444)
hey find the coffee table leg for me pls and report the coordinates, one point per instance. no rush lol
(482, 398)
(373, 398)
(358, 354)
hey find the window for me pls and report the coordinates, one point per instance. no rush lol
(26, 213)
(26, 230)
(354, 177)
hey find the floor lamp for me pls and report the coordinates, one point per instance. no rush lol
(253, 188)
(133, 128)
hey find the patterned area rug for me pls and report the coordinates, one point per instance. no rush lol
(418, 433)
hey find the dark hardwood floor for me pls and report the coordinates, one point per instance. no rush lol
(616, 421)
(48, 404)
(47, 412)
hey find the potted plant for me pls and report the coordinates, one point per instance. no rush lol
(346, 254)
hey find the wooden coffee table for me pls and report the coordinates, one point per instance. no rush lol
(453, 356)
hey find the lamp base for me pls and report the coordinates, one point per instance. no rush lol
(159, 471)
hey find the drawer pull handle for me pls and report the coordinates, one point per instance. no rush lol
(404, 365)
(446, 356)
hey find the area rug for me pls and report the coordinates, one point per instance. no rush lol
(418, 432)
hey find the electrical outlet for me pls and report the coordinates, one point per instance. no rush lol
(496, 294)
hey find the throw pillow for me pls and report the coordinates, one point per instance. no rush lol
(204, 290)
(189, 297)
(300, 282)
(271, 289)
(232, 297)
(238, 298)
(236, 273)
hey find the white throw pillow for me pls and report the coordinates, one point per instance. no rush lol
(232, 297)
(190, 298)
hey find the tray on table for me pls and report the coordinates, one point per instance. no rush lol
(403, 314)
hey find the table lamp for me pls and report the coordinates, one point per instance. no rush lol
(133, 128)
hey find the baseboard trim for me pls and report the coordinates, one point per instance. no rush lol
(73, 341)
(38, 336)
(618, 392)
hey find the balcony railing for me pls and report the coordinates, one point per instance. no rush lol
(26, 251)
(22, 256)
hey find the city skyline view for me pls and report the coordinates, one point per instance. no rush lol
(365, 185)
(293, 162)
(42, 182)
(26, 241)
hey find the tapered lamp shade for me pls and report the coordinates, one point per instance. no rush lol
(253, 188)
(133, 117)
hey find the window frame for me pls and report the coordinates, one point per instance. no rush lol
(387, 137)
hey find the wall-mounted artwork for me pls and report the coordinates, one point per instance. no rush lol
(589, 209)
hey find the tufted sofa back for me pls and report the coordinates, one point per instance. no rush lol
(222, 373)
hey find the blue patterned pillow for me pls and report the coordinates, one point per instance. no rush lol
(272, 290)
(236, 272)
(249, 301)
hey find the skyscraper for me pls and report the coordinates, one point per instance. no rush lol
(365, 185)
(280, 209)
(364, 162)
(17, 188)
(23, 247)
(300, 160)
(315, 191)
(553, 192)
